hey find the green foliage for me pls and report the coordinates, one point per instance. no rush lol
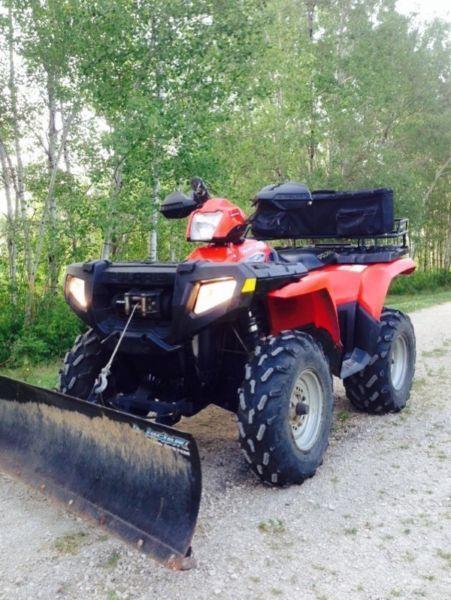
(411, 302)
(421, 281)
(11, 324)
(48, 334)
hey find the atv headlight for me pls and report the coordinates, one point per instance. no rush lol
(203, 226)
(213, 293)
(75, 289)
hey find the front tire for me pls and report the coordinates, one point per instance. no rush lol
(285, 408)
(82, 365)
(385, 384)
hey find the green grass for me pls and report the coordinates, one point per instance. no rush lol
(112, 560)
(272, 526)
(70, 543)
(411, 302)
(43, 375)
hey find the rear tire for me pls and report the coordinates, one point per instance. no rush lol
(285, 408)
(385, 384)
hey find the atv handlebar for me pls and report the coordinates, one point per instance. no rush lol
(178, 205)
(200, 191)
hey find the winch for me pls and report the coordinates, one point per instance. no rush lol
(147, 303)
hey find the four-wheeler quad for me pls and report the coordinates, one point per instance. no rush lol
(255, 329)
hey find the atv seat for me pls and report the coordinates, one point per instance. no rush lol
(305, 256)
(316, 257)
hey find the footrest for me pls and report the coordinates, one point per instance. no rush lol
(354, 362)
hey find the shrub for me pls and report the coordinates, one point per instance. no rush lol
(48, 335)
(11, 323)
(421, 281)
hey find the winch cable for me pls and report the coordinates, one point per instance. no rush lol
(101, 383)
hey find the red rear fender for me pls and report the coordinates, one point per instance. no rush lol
(314, 299)
(377, 279)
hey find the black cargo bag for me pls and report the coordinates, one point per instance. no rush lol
(289, 211)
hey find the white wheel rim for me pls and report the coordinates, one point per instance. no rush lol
(399, 361)
(309, 394)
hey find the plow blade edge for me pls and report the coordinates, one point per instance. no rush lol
(140, 480)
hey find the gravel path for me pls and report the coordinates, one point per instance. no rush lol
(374, 522)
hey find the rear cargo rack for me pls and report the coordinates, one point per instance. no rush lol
(353, 249)
(400, 232)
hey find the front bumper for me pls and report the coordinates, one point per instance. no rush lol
(178, 283)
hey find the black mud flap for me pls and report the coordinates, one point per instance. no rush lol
(140, 480)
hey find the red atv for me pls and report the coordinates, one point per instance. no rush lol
(255, 329)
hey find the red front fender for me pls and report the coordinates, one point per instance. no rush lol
(306, 302)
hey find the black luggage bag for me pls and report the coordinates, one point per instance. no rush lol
(290, 211)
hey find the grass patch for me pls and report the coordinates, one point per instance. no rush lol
(435, 353)
(417, 300)
(70, 543)
(409, 556)
(272, 526)
(419, 383)
(112, 560)
(343, 416)
(444, 555)
(44, 375)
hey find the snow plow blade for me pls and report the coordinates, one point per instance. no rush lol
(140, 480)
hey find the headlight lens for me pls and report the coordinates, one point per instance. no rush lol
(203, 226)
(213, 293)
(75, 289)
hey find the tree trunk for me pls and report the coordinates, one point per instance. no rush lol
(153, 238)
(49, 199)
(66, 153)
(19, 179)
(108, 248)
(311, 5)
(52, 167)
(10, 225)
(447, 260)
(439, 173)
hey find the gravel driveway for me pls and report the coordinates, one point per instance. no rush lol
(374, 522)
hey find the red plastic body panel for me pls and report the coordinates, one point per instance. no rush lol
(306, 302)
(232, 252)
(377, 279)
(232, 217)
(315, 298)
